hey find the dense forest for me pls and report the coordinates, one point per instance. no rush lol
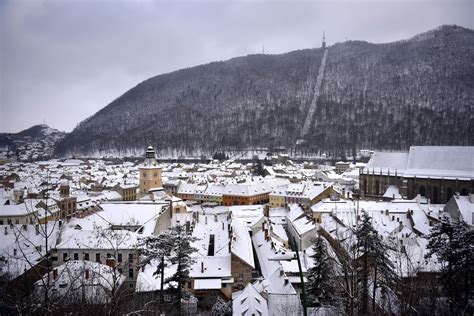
(377, 96)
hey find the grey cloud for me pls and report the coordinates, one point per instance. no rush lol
(63, 60)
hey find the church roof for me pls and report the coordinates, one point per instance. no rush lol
(448, 162)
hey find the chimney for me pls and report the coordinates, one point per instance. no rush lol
(87, 274)
(55, 274)
(202, 266)
(223, 227)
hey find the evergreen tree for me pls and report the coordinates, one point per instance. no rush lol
(453, 245)
(321, 288)
(258, 169)
(173, 246)
(181, 255)
(375, 265)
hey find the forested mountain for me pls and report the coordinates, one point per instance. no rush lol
(378, 96)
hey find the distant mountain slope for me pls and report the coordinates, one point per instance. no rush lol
(36, 142)
(379, 96)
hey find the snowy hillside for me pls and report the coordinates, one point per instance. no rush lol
(377, 96)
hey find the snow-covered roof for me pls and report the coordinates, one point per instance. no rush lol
(465, 205)
(384, 161)
(83, 279)
(24, 246)
(241, 243)
(249, 303)
(441, 161)
(393, 192)
(207, 284)
(146, 281)
(15, 210)
(449, 162)
(295, 212)
(247, 214)
(303, 225)
(211, 267)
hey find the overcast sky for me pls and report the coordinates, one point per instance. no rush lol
(62, 61)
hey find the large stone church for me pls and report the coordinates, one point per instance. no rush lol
(435, 172)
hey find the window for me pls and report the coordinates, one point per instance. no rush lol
(130, 257)
(241, 276)
(97, 257)
(130, 273)
(17, 221)
(86, 256)
(76, 256)
(119, 257)
(64, 256)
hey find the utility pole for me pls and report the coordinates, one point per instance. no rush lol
(303, 292)
(288, 257)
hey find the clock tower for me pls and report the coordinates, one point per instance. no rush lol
(150, 172)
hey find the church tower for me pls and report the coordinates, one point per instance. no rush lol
(150, 172)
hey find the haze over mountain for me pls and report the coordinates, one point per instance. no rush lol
(361, 95)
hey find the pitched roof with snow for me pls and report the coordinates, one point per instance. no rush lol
(249, 302)
(426, 161)
(241, 243)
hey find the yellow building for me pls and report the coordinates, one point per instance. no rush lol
(277, 200)
(150, 172)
